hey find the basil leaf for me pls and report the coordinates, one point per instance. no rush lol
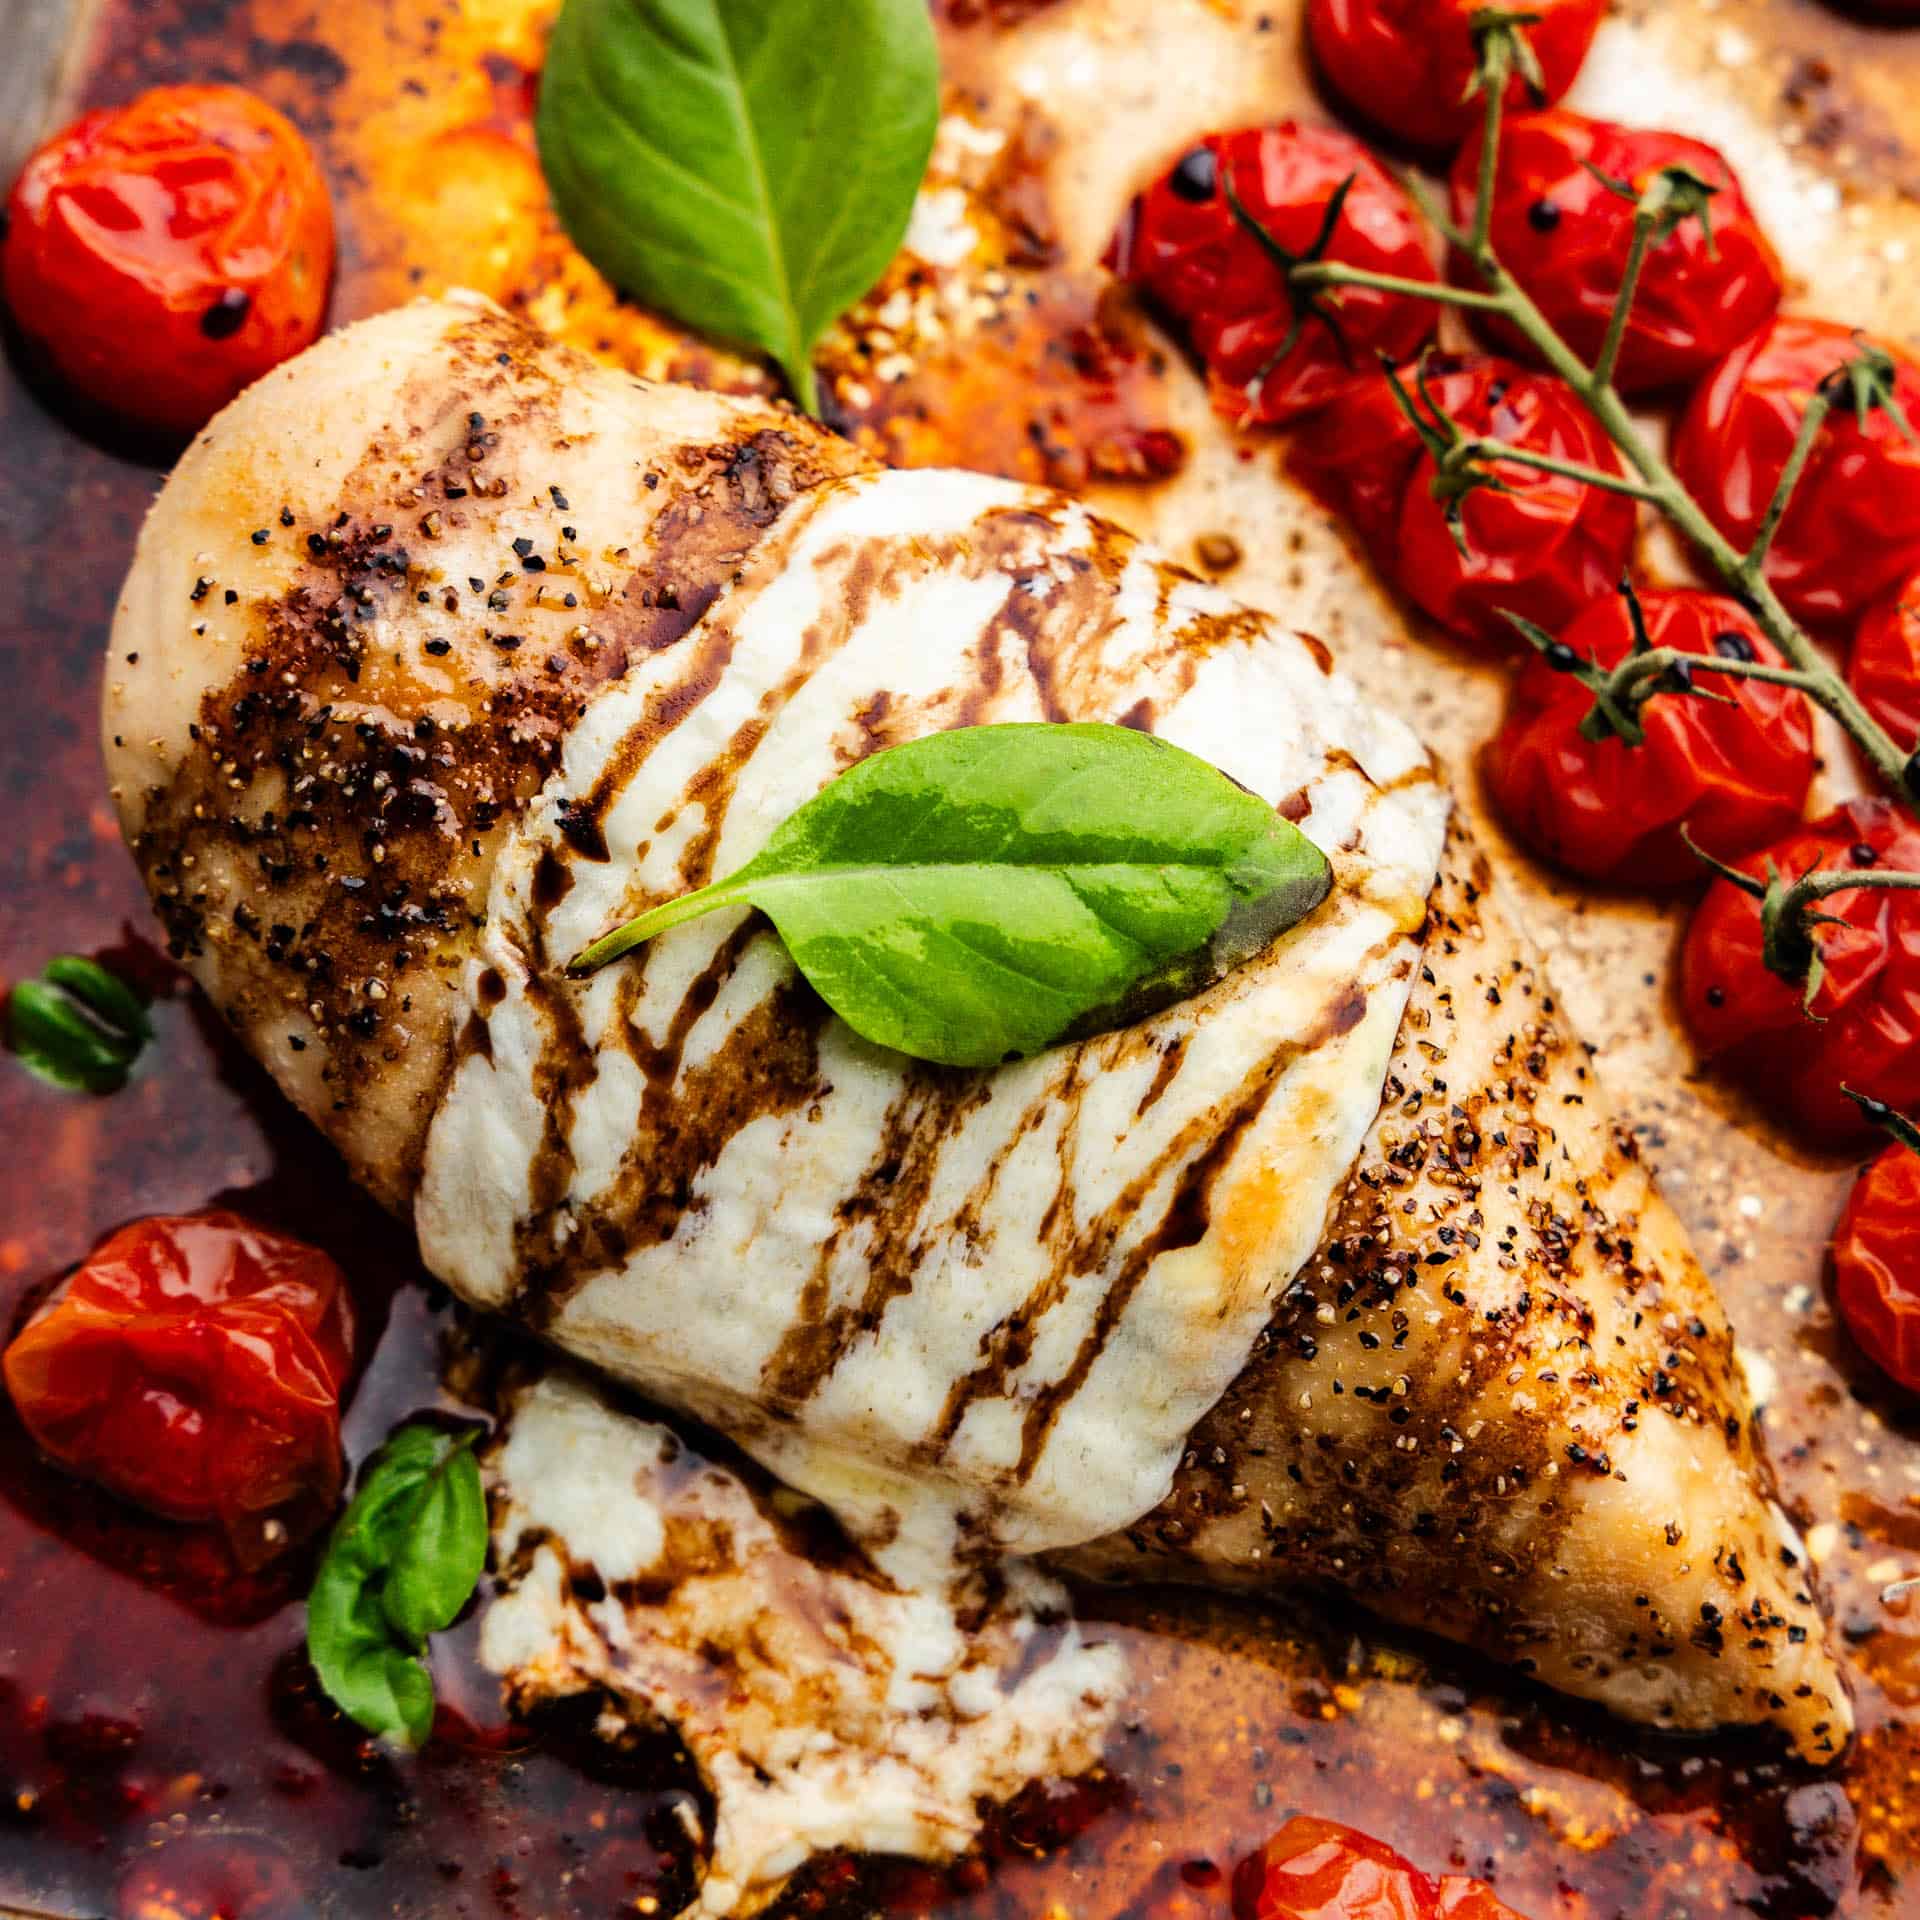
(443, 1553)
(78, 1027)
(987, 892)
(402, 1562)
(746, 167)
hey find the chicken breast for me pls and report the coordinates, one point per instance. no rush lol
(1198, 1297)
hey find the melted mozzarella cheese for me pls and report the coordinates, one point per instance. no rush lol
(826, 1707)
(960, 1309)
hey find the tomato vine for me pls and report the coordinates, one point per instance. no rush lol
(1862, 382)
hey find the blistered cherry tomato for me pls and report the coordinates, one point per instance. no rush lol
(1406, 64)
(193, 1364)
(1866, 1032)
(1852, 532)
(1884, 667)
(1876, 1264)
(1564, 235)
(163, 255)
(1736, 776)
(1316, 1869)
(1184, 245)
(1544, 548)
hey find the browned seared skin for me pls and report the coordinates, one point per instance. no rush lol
(395, 663)
(1503, 1387)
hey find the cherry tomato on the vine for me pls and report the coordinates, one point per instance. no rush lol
(1545, 548)
(1564, 234)
(1315, 1869)
(1196, 258)
(161, 256)
(193, 1364)
(1736, 776)
(1866, 1026)
(1406, 64)
(1876, 1265)
(1884, 667)
(1852, 531)
(1542, 545)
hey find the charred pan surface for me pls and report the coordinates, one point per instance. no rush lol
(1502, 1395)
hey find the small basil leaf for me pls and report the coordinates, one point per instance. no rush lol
(78, 1026)
(745, 167)
(104, 994)
(403, 1560)
(444, 1550)
(383, 1687)
(987, 892)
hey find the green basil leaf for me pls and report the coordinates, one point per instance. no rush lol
(984, 893)
(443, 1552)
(746, 167)
(382, 1686)
(78, 1026)
(403, 1560)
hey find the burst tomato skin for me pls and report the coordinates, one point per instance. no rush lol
(1852, 532)
(1736, 776)
(1867, 1033)
(1565, 236)
(1406, 64)
(1316, 1869)
(1546, 549)
(1184, 246)
(1876, 1264)
(161, 256)
(193, 1364)
(1884, 666)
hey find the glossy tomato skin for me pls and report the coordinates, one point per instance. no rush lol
(1406, 64)
(1736, 776)
(1315, 1869)
(1545, 548)
(161, 256)
(194, 1364)
(1565, 237)
(1867, 1034)
(1884, 666)
(1876, 1264)
(1184, 246)
(1852, 532)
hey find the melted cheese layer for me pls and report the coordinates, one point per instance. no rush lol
(826, 1708)
(958, 1308)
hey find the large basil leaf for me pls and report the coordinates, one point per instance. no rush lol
(746, 167)
(402, 1562)
(982, 894)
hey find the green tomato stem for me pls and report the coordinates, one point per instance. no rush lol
(1660, 486)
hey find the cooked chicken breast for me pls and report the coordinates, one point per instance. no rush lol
(383, 779)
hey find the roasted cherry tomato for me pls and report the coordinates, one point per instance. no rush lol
(1407, 64)
(1866, 1025)
(1319, 1870)
(1876, 1265)
(1545, 547)
(1736, 776)
(1852, 532)
(1884, 667)
(1184, 245)
(163, 255)
(194, 1366)
(1564, 234)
